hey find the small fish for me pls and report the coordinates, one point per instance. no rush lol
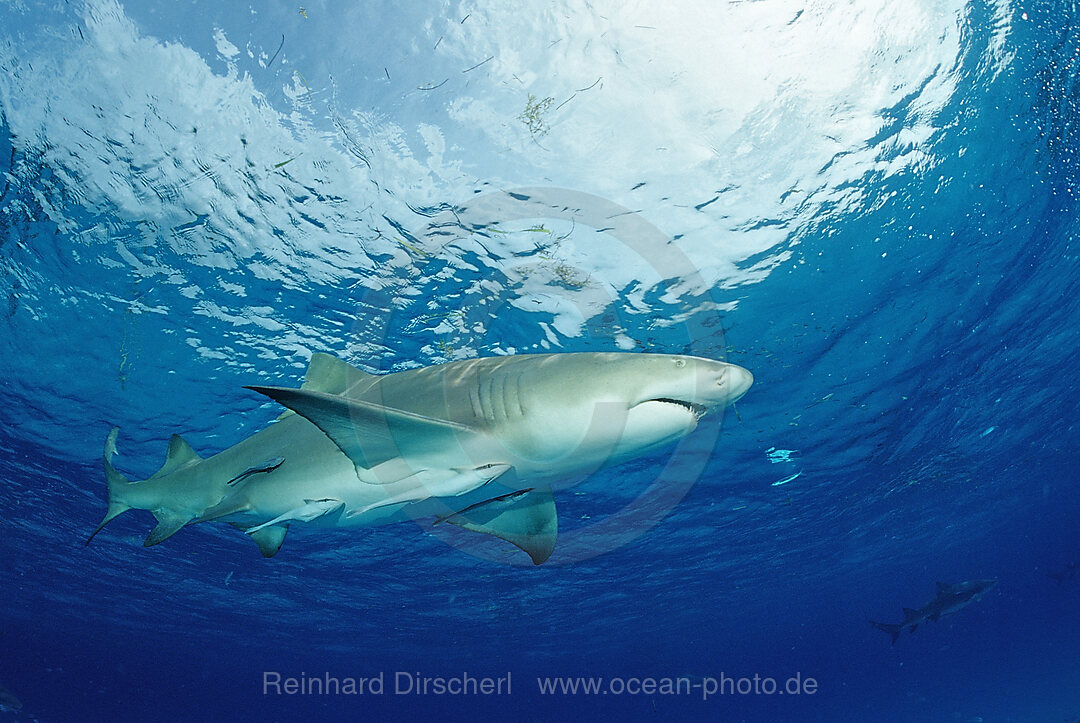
(268, 466)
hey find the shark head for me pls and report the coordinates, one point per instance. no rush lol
(978, 587)
(967, 587)
(955, 596)
(584, 410)
(665, 396)
(693, 385)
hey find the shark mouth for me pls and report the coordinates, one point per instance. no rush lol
(696, 409)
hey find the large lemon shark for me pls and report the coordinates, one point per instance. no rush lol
(475, 443)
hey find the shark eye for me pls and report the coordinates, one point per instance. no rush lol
(680, 363)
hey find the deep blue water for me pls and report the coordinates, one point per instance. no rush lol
(872, 207)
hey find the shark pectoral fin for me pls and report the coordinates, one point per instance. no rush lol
(269, 539)
(330, 375)
(525, 518)
(368, 433)
(169, 522)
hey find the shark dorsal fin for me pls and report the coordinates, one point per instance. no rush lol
(944, 588)
(330, 375)
(526, 518)
(180, 455)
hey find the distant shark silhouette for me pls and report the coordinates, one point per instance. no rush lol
(8, 702)
(474, 443)
(949, 599)
(1068, 573)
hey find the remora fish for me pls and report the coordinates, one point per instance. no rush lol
(366, 449)
(949, 599)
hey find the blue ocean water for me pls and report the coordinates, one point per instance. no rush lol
(872, 206)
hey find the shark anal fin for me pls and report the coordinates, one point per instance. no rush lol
(168, 524)
(526, 519)
(368, 433)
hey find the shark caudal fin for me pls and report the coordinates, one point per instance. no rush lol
(890, 628)
(116, 482)
(179, 456)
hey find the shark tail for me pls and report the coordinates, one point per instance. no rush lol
(117, 485)
(121, 490)
(890, 628)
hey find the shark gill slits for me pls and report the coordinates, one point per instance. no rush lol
(507, 396)
(518, 395)
(484, 397)
(477, 407)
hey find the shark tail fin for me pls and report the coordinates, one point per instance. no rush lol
(117, 485)
(890, 628)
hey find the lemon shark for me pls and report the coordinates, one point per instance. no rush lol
(949, 600)
(475, 443)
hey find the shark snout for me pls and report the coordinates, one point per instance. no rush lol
(737, 381)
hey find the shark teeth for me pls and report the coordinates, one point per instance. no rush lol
(696, 409)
